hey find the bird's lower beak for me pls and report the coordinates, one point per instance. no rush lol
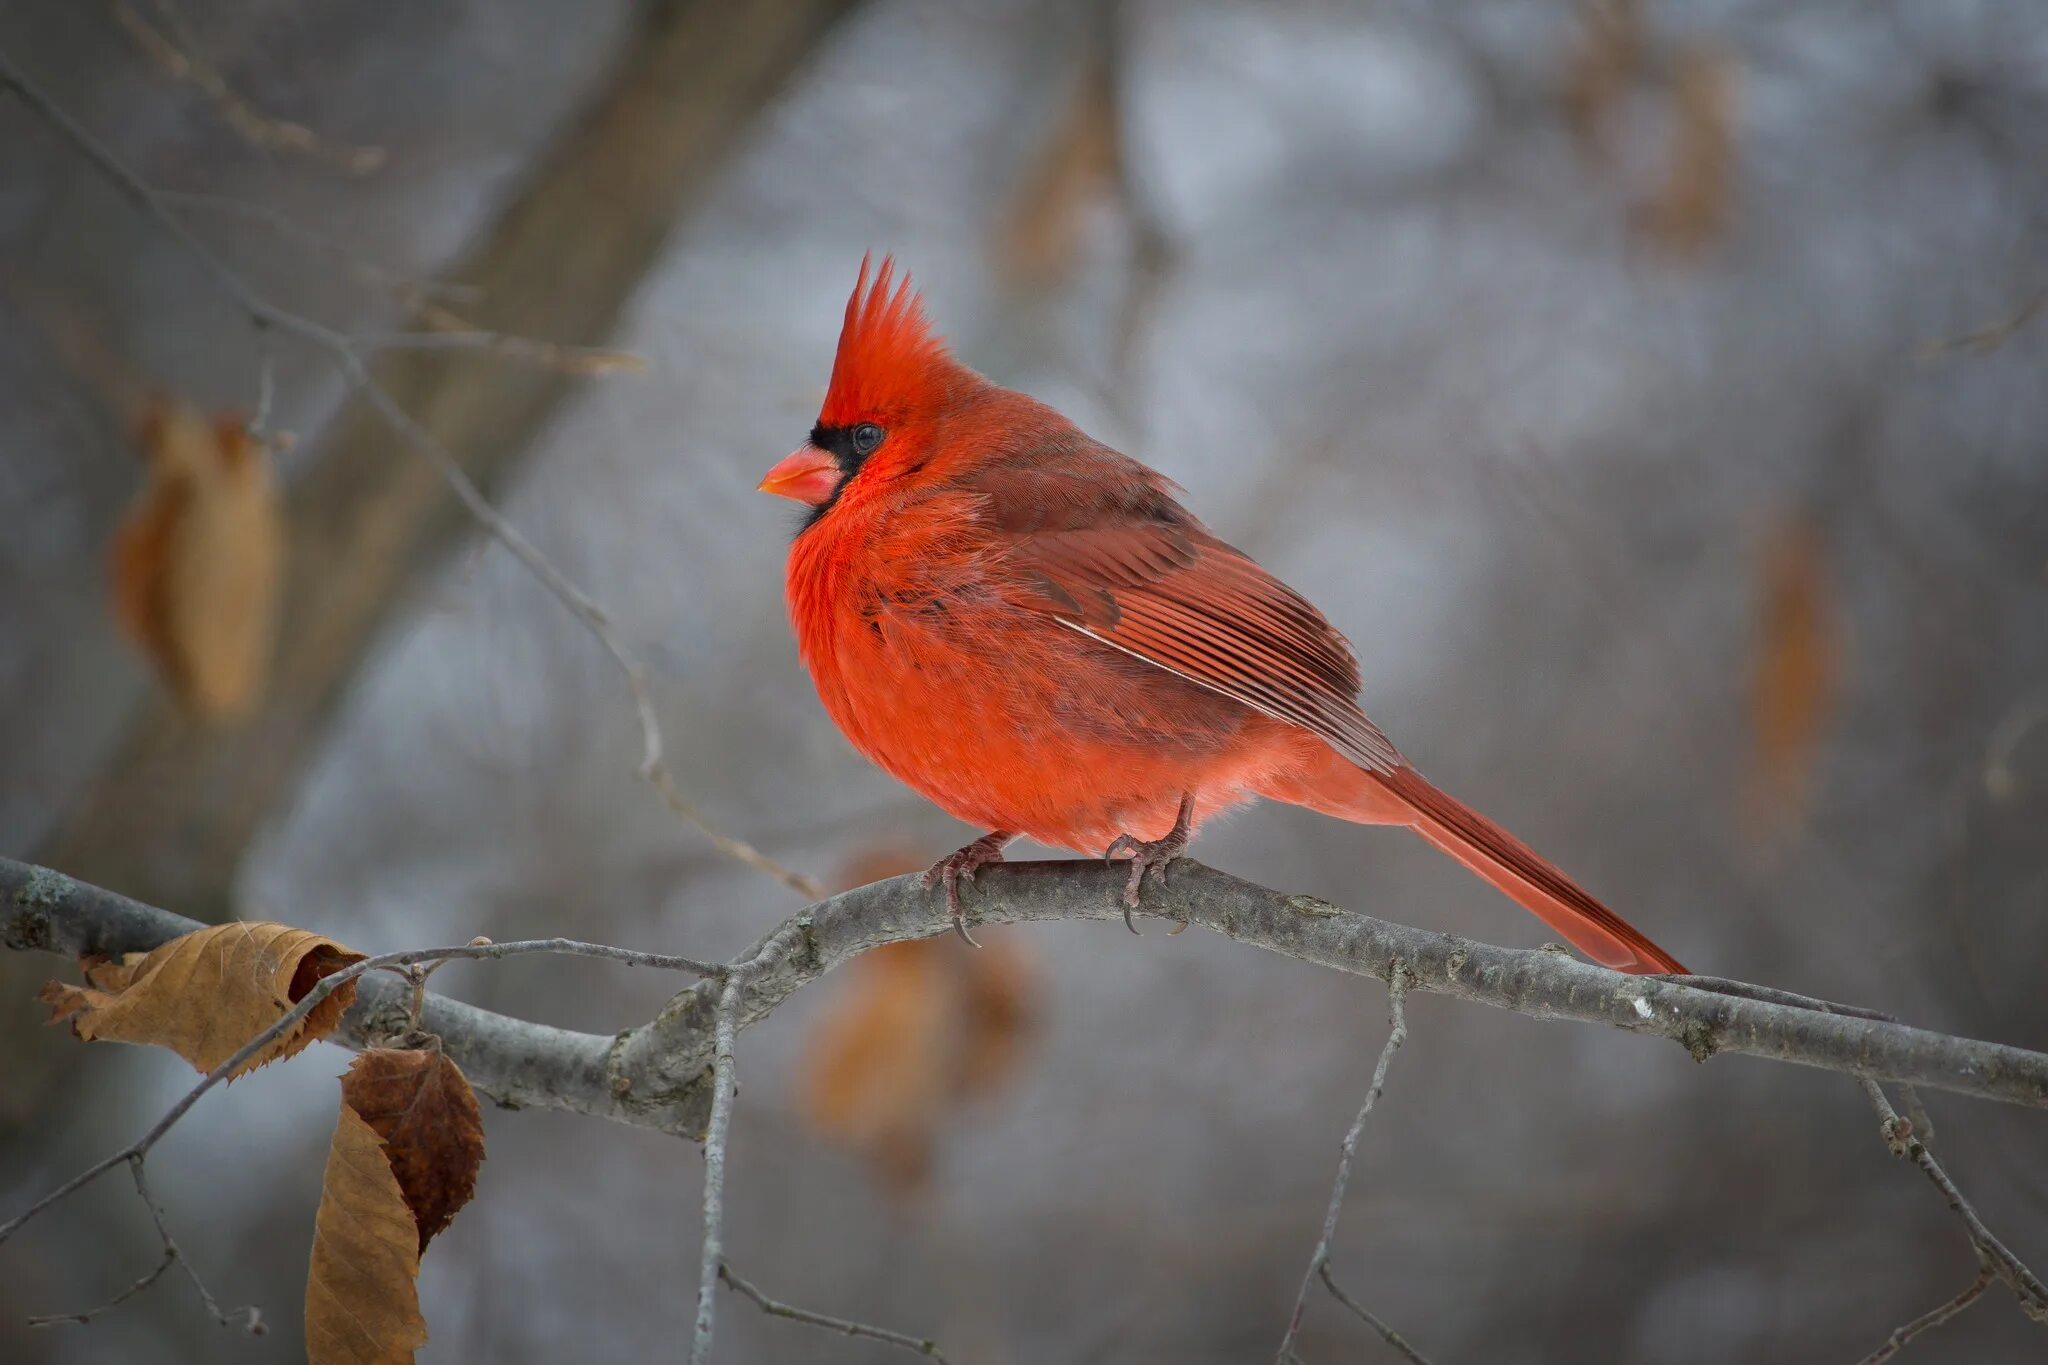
(807, 474)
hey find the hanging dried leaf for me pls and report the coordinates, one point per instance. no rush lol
(362, 1295)
(918, 1029)
(1606, 60)
(207, 993)
(876, 1076)
(997, 1005)
(196, 565)
(1797, 663)
(1040, 229)
(420, 1104)
(1693, 208)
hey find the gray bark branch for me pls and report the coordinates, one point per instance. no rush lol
(658, 1075)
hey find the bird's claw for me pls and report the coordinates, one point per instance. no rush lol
(957, 867)
(1145, 855)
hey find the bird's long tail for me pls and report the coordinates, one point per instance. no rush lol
(1340, 788)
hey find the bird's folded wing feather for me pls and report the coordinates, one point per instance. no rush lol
(1168, 592)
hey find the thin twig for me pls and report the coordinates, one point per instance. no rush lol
(1771, 995)
(774, 1308)
(250, 1318)
(724, 1083)
(407, 287)
(725, 1028)
(1370, 1319)
(342, 352)
(266, 386)
(325, 987)
(551, 354)
(1397, 1034)
(1991, 337)
(1935, 1317)
(1904, 1142)
(174, 54)
(87, 1315)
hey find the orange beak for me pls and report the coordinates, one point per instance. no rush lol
(807, 474)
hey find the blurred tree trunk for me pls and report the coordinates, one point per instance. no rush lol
(170, 817)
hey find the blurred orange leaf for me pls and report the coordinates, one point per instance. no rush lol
(207, 993)
(918, 1029)
(421, 1106)
(196, 564)
(1693, 207)
(362, 1292)
(1797, 665)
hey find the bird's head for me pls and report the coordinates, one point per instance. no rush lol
(892, 379)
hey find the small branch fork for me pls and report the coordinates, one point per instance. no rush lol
(249, 1316)
(1319, 1260)
(1994, 1259)
(347, 355)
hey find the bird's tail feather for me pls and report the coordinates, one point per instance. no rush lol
(1524, 876)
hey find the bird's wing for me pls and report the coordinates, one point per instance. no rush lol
(1143, 576)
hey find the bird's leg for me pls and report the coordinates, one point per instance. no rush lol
(958, 866)
(1147, 854)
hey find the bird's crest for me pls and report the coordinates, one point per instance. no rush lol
(888, 357)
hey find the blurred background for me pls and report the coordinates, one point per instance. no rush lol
(1653, 392)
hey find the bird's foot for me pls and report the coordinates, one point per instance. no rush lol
(959, 866)
(1146, 854)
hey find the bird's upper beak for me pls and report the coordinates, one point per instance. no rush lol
(806, 474)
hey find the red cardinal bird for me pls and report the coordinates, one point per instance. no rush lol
(1026, 627)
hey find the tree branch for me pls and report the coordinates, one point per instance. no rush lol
(674, 1073)
(657, 1075)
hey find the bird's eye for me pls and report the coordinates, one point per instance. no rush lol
(866, 437)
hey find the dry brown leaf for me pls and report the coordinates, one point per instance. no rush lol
(197, 563)
(1797, 664)
(206, 993)
(998, 1007)
(421, 1106)
(362, 1292)
(1605, 61)
(1693, 208)
(1040, 230)
(918, 1029)
(875, 1079)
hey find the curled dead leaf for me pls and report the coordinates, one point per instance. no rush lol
(362, 1292)
(421, 1106)
(197, 562)
(207, 993)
